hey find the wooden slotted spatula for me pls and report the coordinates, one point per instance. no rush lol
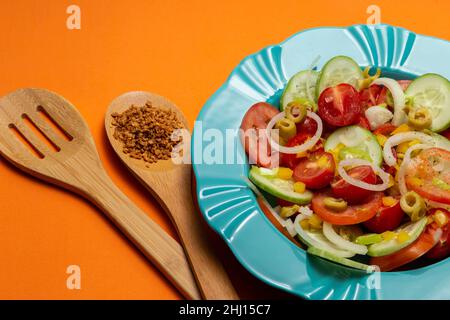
(44, 135)
(170, 184)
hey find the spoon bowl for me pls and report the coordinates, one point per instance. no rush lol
(170, 184)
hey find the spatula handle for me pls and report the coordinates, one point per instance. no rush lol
(161, 249)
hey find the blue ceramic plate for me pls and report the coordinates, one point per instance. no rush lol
(230, 207)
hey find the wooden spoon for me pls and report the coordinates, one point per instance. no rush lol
(170, 184)
(44, 135)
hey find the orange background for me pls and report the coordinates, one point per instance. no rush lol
(180, 49)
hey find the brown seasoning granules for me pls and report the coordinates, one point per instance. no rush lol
(145, 132)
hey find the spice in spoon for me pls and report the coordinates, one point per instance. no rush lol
(146, 132)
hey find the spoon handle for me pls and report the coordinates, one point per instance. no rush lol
(160, 248)
(212, 278)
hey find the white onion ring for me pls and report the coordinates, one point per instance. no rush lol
(404, 165)
(317, 244)
(303, 147)
(361, 184)
(342, 243)
(399, 99)
(399, 138)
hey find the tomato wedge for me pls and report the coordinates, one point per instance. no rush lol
(369, 96)
(429, 175)
(253, 137)
(422, 245)
(385, 129)
(340, 105)
(352, 215)
(387, 218)
(309, 126)
(291, 160)
(442, 249)
(353, 194)
(315, 171)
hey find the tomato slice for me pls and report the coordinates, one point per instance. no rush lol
(340, 105)
(309, 126)
(315, 171)
(353, 194)
(252, 135)
(352, 215)
(428, 174)
(369, 96)
(386, 218)
(363, 122)
(442, 249)
(418, 248)
(385, 129)
(291, 160)
(275, 222)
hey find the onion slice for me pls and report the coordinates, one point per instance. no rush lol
(399, 99)
(400, 138)
(331, 248)
(404, 166)
(378, 116)
(290, 228)
(361, 184)
(342, 243)
(300, 148)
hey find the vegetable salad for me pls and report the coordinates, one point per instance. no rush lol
(359, 164)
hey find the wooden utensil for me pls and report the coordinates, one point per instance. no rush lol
(44, 135)
(170, 184)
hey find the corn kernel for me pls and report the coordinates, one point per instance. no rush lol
(299, 187)
(388, 235)
(284, 173)
(304, 224)
(381, 139)
(389, 201)
(413, 142)
(430, 220)
(416, 181)
(391, 182)
(315, 222)
(440, 218)
(403, 128)
(403, 236)
(302, 154)
(403, 147)
(323, 162)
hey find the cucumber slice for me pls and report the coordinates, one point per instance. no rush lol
(280, 188)
(432, 91)
(340, 69)
(344, 261)
(386, 247)
(441, 141)
(301, 86)
(318, 240)
(358, 143)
